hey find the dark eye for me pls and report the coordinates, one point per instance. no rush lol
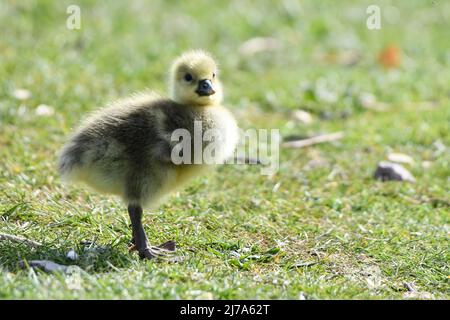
(188, 77)
(214, 75)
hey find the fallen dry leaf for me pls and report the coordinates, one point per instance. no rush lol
(390, 57)
(400, 158)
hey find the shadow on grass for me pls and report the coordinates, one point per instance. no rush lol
(92, 258)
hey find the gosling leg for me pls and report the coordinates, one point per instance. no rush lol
(140, 241)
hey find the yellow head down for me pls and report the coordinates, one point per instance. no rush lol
(194, 79)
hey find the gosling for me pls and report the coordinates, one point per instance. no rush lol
(126, 149)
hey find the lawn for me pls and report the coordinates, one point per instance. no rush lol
(321, 227)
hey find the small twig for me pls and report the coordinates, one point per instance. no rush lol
(34, 244)
(314, 140)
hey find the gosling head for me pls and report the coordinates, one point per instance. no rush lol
(194, 79)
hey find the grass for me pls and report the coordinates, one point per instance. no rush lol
(320, 228)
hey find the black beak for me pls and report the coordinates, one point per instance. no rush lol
(205, 88)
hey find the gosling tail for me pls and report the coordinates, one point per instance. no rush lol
(70, 158)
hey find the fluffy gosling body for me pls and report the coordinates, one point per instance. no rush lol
(125, 149)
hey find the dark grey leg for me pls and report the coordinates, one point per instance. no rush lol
(140, 241)
(139, 236)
